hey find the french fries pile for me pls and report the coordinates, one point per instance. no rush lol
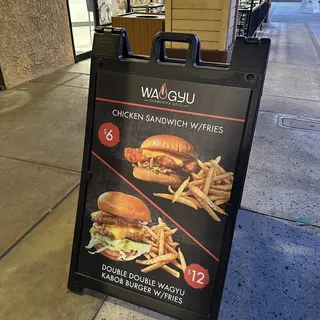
(163, 250)
(209, 189)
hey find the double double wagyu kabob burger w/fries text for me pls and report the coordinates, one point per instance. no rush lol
(118, 228)
(164, 159)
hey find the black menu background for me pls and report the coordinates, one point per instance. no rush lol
(215, 100)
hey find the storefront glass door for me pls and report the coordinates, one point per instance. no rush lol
(82, 25)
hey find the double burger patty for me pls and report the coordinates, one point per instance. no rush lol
(132, 234)
(135, 155)
(103, 221)
(99, 229)
(110, 219)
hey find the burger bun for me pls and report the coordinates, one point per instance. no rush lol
(168, 179)
(111, 254)
(171, 144)
(124, 205)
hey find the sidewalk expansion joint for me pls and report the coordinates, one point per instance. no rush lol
(57, 84)
(278, 218)
(38, 222)
(100, 307)
(289, 97)
(41, 163)
(74, 86)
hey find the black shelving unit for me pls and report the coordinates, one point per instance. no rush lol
(149, 7)
(251, 16)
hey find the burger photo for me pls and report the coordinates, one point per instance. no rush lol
(117, 229)
(164, 159)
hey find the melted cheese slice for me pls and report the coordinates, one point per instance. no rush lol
(121, 232)
(152, 154)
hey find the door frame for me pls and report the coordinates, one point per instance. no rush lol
(2, 83)
(84, 55)
(87, 55)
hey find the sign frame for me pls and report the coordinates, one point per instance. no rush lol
(247, 69)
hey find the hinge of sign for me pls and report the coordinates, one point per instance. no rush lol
(253, 40)
(104, 29)
(99, 29)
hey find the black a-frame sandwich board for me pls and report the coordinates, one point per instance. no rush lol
(121, 85)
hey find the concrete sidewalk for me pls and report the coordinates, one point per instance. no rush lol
(275, 262)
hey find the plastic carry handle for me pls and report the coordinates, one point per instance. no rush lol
(158, 51)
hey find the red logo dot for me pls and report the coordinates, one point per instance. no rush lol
(196, 276)
(109, 134)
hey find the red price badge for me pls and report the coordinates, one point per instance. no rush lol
(196, 276)
(109, 134)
